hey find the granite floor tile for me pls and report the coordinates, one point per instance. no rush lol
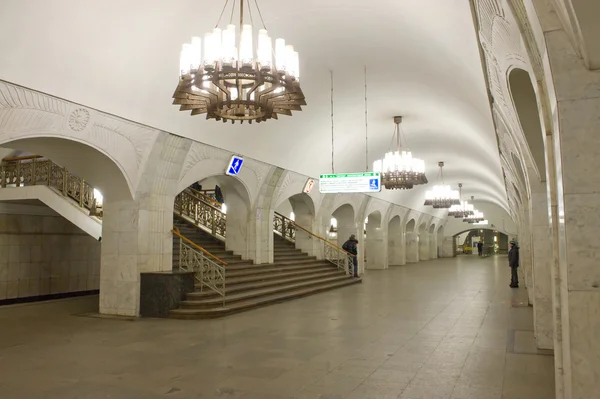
(433, 330)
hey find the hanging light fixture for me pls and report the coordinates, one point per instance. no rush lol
(463, 209)
(475, 217)
(399, 170)
(442, 196)
(224, 77)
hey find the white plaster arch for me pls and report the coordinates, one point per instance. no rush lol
(30, 114)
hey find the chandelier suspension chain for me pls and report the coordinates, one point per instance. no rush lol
(232, 13)
(332, 130)
(223, 12)
(366, 124)
(260, 14)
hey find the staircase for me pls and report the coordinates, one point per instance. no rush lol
(293, 274)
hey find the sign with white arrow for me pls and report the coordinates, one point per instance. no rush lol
(235, 165)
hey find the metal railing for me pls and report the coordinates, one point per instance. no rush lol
(284, 227)
(35, 170)
(209, 271)
(202, 211)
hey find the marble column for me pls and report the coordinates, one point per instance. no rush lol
(396, 250)
(424, 246)
(305, 241)
(136, 234)
(448, 247)
(376, 246)
(576, 142)
(433, 246)
(542, 269)
(412, 247)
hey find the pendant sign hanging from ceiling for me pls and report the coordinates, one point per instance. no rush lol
(235, 165)
(310, 183)
(367, 182)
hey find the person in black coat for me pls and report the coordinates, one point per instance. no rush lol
(352, 246)
(513, 262)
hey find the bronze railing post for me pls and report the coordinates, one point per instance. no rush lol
(33, 172)
(81, 188)
(65, 181)
(3, 175)
(213, 223)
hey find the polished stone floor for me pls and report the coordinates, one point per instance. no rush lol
(443, 329)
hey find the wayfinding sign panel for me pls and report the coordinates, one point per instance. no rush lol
(363, 182)
(235, 165)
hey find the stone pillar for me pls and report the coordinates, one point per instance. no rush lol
(424, 246)
(136, 234)
(376, 245)
(305, 241)
(238, 220)
(575, 111)
(448, 247)
(412, 247)
(396, 250)
(433, 246)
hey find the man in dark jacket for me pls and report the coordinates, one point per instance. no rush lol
(513, 262)
(352, 246)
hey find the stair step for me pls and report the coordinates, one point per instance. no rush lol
(231, 289)
(293, 257)
(231, 281)
(244, 296)
(259, 302)
(249, 271)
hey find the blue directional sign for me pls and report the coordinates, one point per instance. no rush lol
(235, 165)
(373, 184)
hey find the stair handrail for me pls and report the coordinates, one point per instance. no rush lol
(207, 272)
(201, 213)
(331, 252)
(42, 171)
(197, 247)
(285, 227)
(206, 198)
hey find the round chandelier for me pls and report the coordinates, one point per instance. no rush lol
(475, 217)
(442, 196)
(227, 78)
(399, 170)
(463, 209)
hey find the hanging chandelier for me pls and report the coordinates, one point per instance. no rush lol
(463, 209)
(224, 77)
(442, 196)
(475, 217)
(399, 170)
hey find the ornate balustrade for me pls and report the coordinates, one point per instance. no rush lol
(35, 170)
(209, 271)
(285, 227)
(201, 211)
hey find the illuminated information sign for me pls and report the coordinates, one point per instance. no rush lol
(367, 182)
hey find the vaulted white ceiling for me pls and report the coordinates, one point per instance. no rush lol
(422, 58)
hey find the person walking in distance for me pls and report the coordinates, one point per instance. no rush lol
(513, 262)
(480, 248)
(352, 246)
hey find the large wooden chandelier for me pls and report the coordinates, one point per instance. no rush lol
(399, 170)
(230, 81)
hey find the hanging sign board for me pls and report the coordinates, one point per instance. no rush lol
(309, 186)
(367, 182)
(235, 165)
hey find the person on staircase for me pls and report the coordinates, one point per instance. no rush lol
(351, 246)
(219, 195)
(513, 262)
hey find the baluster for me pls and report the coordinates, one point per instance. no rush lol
(180, 252)
(283, 227)
(33, 172)
(213, 224)
(18, 174)
(3, 174)
(81, 188)
(64, 188)
(50, 169)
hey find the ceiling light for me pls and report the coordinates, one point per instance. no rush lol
(399, 170)
(463, 209)
(228, 78)
(475, 217)
(442, 196)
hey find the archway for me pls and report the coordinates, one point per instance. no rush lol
(396, 253)
(301, 209)
(525, 102)
(86, 177)
(423, 242)
(494, 241)
(375, 256)
(227, 221)
(412, 242)
(345, 226)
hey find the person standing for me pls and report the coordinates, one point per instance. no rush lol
(480, 248)
(351, 246)
(513, 262)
